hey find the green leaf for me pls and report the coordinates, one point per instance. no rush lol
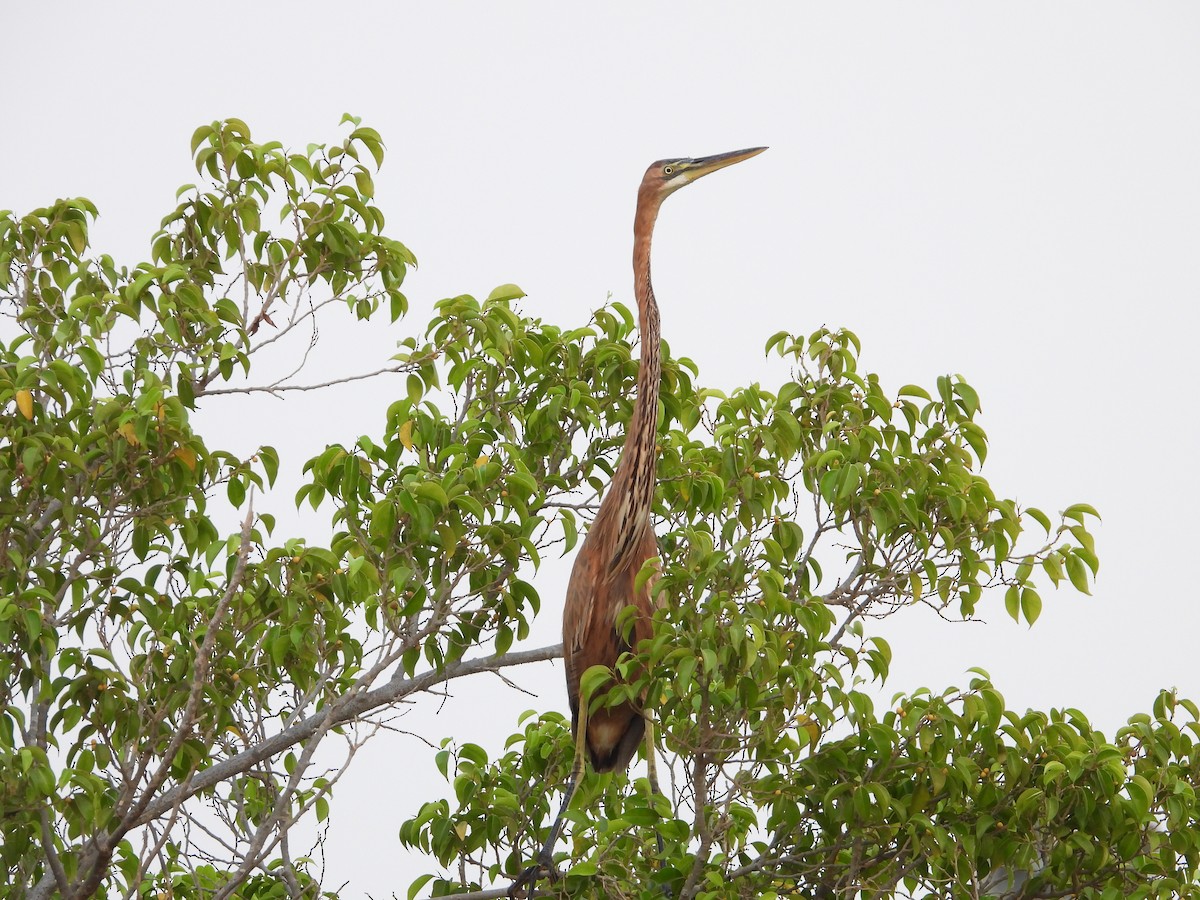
(970, 399)
(683, 674)
(1077, 572)
(270, 463)
(570, 530)
(1031, 604)
(1012, 602)
(1077, 511)
(1140, 795)
(366, 186)
(280, 644)
(199, 136)
(976, 438)
(1053, 568)
(584, 868)
(505, 292)
(139, 284)
(431, 490)
(76, 236)
(416, 389)
(593, 679)
(1038, 516)
(416, 886)
(236, 491)
(776, 340)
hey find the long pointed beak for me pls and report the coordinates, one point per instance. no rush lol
(703, 166)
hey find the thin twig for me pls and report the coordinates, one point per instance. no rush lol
(280, 388)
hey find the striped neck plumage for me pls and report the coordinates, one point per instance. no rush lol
(633, 484)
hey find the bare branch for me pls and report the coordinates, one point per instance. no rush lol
(281, 388)
(56, 866)
(489, 894)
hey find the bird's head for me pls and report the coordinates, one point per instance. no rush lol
(666, 176)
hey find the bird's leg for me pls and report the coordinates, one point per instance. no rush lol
(652, 777)
(545, 858)
(652, 772)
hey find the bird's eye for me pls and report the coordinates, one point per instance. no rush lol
(667, 170)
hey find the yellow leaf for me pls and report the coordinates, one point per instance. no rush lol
(406, 434)
(160, 411)
(814, 730)
(461, 830)
(187, 456)
(25, 403)
(483, 460)
(126, 431)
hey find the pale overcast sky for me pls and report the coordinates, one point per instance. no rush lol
(1010, 191)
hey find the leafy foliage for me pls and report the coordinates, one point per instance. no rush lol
(173, 685)
(786, 777)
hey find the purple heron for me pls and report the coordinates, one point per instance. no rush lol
(620, 540)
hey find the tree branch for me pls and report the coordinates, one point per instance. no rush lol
(355, 707)
(280, 388)
(128, 808)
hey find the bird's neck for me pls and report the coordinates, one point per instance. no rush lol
(643, 427)
(641, 439)
(631, 495)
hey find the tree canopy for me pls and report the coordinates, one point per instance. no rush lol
(176, 673)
